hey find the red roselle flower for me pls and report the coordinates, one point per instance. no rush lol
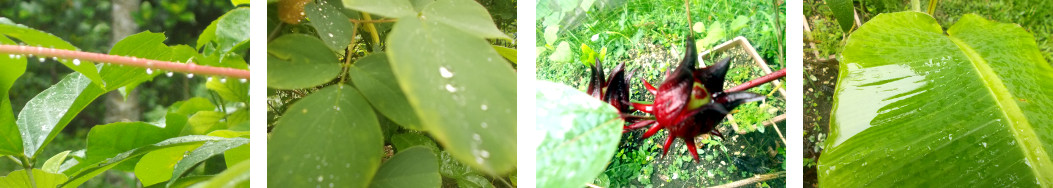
(690, 101)
(614, 90)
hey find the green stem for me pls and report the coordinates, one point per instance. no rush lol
(28, 165)
(932, 7)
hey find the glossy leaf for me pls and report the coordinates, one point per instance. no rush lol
(388, 8)
(46, 114)
(465, 101)
(19, 178)
(372, 76)
(328, 137)
(297, 61)
(971, 106)
(52, 164)
(229, 90)
(573, 124)
(209, 149)
(105, 141)
(404, 141)
(157, 166)
(10, 69)
(332, 26)
(232, 29)
(237, 175)
(204, 122)
(413, 167)
(33, 37)
(87, 171)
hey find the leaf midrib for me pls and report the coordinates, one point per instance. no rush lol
(1020, 127)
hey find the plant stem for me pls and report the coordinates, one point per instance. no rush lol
(126, 61)
(28, 165)
(756, 82)
(754, 179)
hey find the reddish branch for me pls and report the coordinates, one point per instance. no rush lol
(758, 81)
(127, 61)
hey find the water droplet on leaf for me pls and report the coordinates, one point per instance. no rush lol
(445, 73)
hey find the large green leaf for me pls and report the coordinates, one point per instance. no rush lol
(41, 178)
(373, 77)
(232, 29)
(413, 167)
(333, 27)
(297, 61)
(237, 175)
(46, 114)
(330, 137)
(157, 166)
(147, 45)
(466, 15)
(86, 171)
(916, 107)
(11, 67)
(105, 141)
(464, 92)
(581, 134)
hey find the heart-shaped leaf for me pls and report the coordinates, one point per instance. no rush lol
(330, 137)
(918, 107)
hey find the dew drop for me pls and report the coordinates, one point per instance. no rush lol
(485, 125)
(223, 80)
(320, 178)
(477, 137)
(149, 71)
(54, 58)
(243, 80)
(450, 88)
(330, 35)
(12, 56)
(42, 60)
(169, 74)
(483, 107)
(485, 154)
(445, 73)
(337, 108)
(209, 79)
(189, 75)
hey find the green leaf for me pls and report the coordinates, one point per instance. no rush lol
(404, 141)
(52, 164)
(508, 53)
(209, 149)
(413, 167)
(573, 123)
(10, 70)
(105, 141)
(739, 22)
(333, 27)
(157, 166)
(239, 2)
(466, 101)
(465, 15)
(204, 122)
(297, 61)
(970, 106)
(328, 137)
(50, 111)
(235, 176)
(388, 8)
(145, 45)
(843, 12)
(90, 170)
(451, 168)
(41, 178)
(713, 36)
(562, 53)
(232, 29)
(551, 34)
(33, 37)
(474, 180)
(372, 76)
(229, 90)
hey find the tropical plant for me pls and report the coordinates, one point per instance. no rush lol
(199, 142)
(918, 105)
(392, 93)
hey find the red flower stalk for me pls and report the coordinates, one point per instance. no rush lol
(690, 101)
(614, 90)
